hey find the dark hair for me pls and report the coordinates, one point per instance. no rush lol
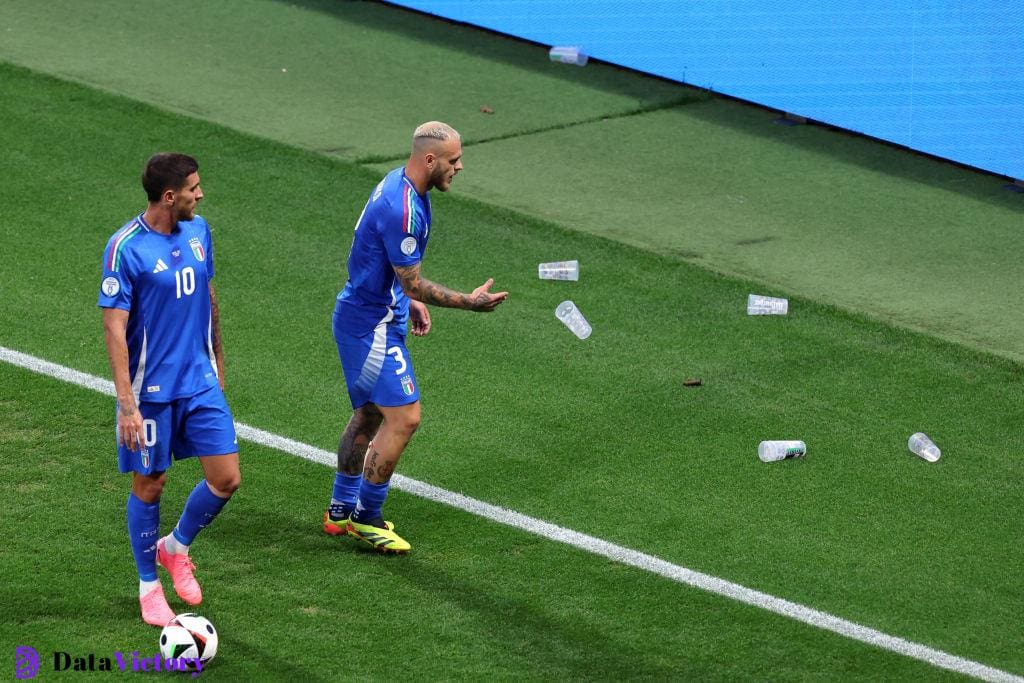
(167, 171)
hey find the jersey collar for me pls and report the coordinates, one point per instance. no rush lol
(142, 221)
(409, 183)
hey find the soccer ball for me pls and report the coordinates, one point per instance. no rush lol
(189, 636)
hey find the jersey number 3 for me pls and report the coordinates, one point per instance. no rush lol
(396, 351)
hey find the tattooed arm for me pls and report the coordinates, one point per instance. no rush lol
(426, 291)
(218, 350)
(129, 419)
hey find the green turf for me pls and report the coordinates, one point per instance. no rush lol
(597, 436)
(827, 216)
(350, 79)
(806, 210)
(476, 601)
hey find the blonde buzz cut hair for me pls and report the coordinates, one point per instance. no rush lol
(429, 134)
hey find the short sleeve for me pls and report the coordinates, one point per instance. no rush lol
(403, 235)
(116, 283)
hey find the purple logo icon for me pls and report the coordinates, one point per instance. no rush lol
(26, 662)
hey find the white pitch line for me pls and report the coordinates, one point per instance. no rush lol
(633, 558)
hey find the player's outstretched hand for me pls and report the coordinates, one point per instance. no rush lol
(485, 301)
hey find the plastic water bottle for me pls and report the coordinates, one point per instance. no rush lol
(766, 305)
(559, 270)
(568, 55)
(770, 451)
(922, 446)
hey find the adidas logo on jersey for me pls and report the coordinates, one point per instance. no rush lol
(160, 266)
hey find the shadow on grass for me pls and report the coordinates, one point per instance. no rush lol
(656, 93)
(529, 630)
(859, 150)
(269, 666)
(530, 626)
(412, 25)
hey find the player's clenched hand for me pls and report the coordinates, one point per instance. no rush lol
(485, 301)
(129, 427)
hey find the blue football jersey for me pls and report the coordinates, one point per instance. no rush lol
(391, 231)
(163, 283)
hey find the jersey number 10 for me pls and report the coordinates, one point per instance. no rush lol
(185, 279)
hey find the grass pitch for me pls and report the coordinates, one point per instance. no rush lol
(598, 436)
(801, 209)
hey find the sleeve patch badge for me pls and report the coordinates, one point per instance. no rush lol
(409, 246)
(110, 286)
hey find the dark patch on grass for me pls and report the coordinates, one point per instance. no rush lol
(754, 240)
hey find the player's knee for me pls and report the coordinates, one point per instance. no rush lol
(410, 422)
(403, 420)
(225, 484)
(366, 421)
(148, 489)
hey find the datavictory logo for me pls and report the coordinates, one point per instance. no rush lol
(26, 662)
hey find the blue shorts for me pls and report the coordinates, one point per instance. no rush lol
(185, 427)
(377, 367)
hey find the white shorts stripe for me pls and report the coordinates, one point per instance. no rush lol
(374, 359)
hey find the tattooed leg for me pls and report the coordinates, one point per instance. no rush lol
(383, 453)
(361, 427)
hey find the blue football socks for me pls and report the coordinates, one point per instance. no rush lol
(143, 531)
(200, 509)
(346, 491)
(371, 500)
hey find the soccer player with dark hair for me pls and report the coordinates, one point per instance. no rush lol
(162, 331)
(384, 293)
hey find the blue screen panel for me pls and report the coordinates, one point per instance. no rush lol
(944, 77)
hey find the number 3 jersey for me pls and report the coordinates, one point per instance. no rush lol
(392, 231)
(163, 283)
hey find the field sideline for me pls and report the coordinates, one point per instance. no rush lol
(588, 543)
